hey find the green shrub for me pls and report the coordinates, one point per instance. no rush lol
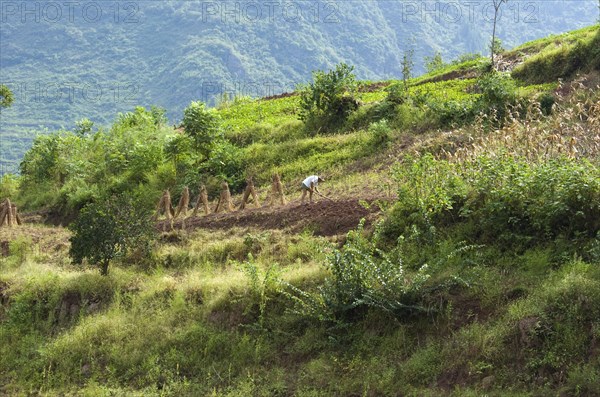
(582, 380)
(505, 199)
(380, 132)
(565, 309)
(546, 101)
(397, 93)
(434, 63)
(41, 162)
(109, 228)
(431, 105)
(467, 57)
(226, 163)
(83, 126)
(140, 119)
(411, 118)
(74, 195)
(498, 92)
(361, 277)
(429, 191)
(451, 113)
(546, 200)
(327, 102)
(263, 285)
(203, 126)
(20, 248)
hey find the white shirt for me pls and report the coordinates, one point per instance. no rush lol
(313, 178)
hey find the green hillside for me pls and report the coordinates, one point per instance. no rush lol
(456, 253)
(96, 60)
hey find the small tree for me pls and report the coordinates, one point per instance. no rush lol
(498, 92)
(434, 63)
(108, 229)
(493, 45)
(83, 127)
(6, 97)
(203, 126)
(497, 47)
(159, 115)
(407, 66)
(330, 98)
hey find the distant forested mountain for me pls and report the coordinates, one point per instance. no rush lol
(66, 61)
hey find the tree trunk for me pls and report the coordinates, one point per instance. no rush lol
(104, 268)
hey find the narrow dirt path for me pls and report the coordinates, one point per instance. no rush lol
(323, 218)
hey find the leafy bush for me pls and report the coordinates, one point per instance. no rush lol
(64, 171)
(20, 248)
(430, 105)
(83, 126)
(380, 133)
(362, 276)
(434, 63)
(140, 119)
(368, 114)
(178, 150)
(226, 163)
(263, 284)
(546, 101)
(203, 126)
(498, 92)
(503, 198)
(512, 197)
(451, 113)
(564, 311)
(397, 93)
(41, 162)
(428, 192)
(413, 119)
(327, 102)
(289, 130)
(108, 229)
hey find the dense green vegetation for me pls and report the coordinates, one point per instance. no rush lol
(107, 229)
(480, 277)
(559, 60)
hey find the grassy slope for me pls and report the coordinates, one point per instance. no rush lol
(205, 318)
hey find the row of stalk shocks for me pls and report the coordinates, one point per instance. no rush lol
(224, 203)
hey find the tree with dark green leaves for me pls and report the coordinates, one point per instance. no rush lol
(83, 127)
(330, 98)
(6, 97)
(108, 229)
(203, 126)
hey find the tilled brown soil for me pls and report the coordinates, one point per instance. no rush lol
(323, 218)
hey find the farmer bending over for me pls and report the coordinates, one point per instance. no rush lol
(310, 185)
